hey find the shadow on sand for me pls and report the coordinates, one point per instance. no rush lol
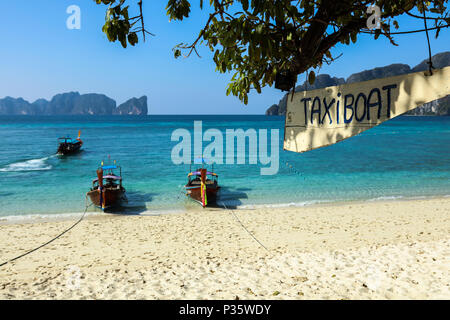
(230, 198)
(135, 204)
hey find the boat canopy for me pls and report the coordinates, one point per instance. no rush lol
(197, 173)
(109, 167)
(201, 160)
(108, 177)
(68, 140)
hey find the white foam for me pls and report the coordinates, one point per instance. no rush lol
(31, 218)
(44, 217)
(29, 165)
(386, 198)
(155, 212)
(284, 205)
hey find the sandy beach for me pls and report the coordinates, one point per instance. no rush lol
(371, 250)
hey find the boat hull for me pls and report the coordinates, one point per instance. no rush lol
(195, 194)
(69, 148)
(110, 197)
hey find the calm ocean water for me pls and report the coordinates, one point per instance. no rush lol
(406, 157)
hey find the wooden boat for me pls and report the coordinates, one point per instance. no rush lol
(68, 145)
(107, 190)
(203, 186)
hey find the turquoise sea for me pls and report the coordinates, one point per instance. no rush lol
(407, 157)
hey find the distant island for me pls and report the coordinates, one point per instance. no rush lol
(439, 107)
(74, 103)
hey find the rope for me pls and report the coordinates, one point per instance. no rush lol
(180, 193)
(294, 170)
(407, 32)
(50, 241)
(237, 219)
(430, 63)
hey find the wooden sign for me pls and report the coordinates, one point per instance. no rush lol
(322, 117)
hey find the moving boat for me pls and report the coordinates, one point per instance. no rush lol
(107, 190)
(203, 186)
(68, 145)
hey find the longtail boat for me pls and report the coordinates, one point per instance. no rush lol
(107, 190)
(203, 186)
(68, 145)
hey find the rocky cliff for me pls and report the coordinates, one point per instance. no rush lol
(438, 107)
(133, 106)
(73, 103)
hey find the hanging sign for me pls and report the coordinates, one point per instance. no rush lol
(322, 117)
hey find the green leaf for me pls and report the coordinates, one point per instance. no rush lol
(395, 24)
(259, 29)
(177, 53)
(289, 37)
(438, 30)
(122, 39)
(125, 13)
(133, 38)
(311, 77)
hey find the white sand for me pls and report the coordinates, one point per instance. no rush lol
(378, 250)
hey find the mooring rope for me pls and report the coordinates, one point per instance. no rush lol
(293, 169)
(50, 241)
(180, 193)
(237, 219)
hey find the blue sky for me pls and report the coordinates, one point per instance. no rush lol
(40, 57)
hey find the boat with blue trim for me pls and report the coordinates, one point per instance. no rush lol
(203, 185)
(107, 190)
(68, 145)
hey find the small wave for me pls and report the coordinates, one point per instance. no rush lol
(283, 205)
(29, 165)
(386, 198)
(44, 217)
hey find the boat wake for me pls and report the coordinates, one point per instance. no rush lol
(28, 165)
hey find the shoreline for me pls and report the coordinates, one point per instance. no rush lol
(370, 250)
(69, 216)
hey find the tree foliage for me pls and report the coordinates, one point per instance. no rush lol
(258, 39)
